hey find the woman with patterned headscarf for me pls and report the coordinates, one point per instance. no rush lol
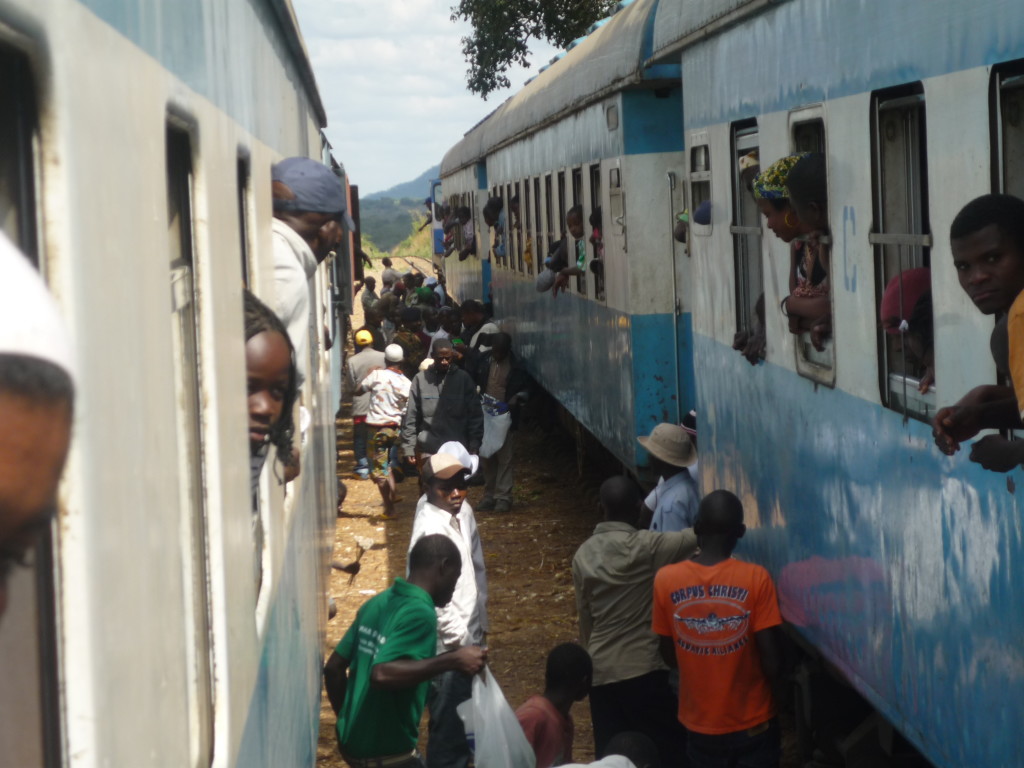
(808, 306)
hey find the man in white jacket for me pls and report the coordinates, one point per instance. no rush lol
(309, 210)
(443, 509)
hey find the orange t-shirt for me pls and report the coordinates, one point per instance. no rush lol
(712, 613)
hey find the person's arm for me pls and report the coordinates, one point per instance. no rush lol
(984, 407)
(336, 680)
(668, 548)
(407, 673)
(480, 573)
(646, 517)
(997, 454)
(586, 621)
(474, 418)
(769, 647)
(667, 649)
(410, 424)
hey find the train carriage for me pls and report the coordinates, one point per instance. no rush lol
(896, 565)
(137, 143)
(593, 130)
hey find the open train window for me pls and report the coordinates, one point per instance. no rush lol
(1008, 128)
(597, 254)
(807, 134)
(902, 243)
(529, 225)
(515, 222)
(30, 730)
(746, 237)
(187, 372)
(700, 184)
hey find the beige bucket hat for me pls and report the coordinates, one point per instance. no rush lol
(671, 444)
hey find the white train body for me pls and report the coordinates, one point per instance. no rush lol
(150, 129)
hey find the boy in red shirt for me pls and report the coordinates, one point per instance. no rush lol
(545, 719)
(718, 618)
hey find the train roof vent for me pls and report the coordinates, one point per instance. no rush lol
(575, 42)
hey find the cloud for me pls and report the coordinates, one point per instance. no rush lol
(392, 78)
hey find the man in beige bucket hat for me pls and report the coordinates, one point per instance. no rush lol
(675, 500)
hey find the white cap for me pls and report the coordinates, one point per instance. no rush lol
(30, 322)
(393, 353)
(458, 450)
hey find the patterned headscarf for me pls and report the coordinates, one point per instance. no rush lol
(770, 184)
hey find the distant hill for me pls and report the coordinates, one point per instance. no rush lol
(387, 221)
(418, 189)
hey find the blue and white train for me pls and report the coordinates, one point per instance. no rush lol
(896, 565)
(137, 142)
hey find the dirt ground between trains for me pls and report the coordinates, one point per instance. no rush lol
(528, 553)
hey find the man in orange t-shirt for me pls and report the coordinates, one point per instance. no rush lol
(718, 618)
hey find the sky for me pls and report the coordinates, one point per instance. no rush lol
(393, 81)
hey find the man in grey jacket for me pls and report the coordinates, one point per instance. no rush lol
(443, 405)
(358, 366)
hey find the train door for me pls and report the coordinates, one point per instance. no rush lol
(616, 243)
(30, 727)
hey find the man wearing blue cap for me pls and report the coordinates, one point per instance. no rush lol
(309, 210)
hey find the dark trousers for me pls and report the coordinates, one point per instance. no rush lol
(763, 749)
(644, 704)
(360, 431)
(446, 735)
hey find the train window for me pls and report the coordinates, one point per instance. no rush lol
(700, 185)
(244, 176)
(746, 238)
(560, 228)
(807, 131)
(1008, 144)
(515, 224)
(30, 729)
(185, 354)
(597, 231)
(902, 245)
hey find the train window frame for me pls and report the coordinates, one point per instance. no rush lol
(526, 220)
(515, 224)
(699, 177)
(745, 228)
(549, 228)
(807, 133)
(908, 238)
(576, 185)
(1007, 78)
(186, 313)
(245, 213)
(30, 626)
(597, 254)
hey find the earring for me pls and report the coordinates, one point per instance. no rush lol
(790, 224)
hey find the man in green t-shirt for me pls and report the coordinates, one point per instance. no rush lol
(377, 677)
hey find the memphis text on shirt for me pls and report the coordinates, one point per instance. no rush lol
(370, 640)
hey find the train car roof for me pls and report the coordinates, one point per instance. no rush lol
(285, 13)
(606, 61)
(677, 24)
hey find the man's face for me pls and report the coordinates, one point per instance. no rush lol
(443, 360)
(990, 268)
(448, 494)
(471, 318)
(452, 323)
(32, 457)
(328, 236)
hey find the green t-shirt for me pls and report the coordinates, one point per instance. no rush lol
(397, 624)
(581, 253)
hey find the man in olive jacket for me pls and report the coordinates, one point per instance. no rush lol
(443, 405)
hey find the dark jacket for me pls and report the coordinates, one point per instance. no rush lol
(518, 384)
(442, 408)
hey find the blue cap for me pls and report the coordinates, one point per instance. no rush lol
(703, 213)
(316, 188)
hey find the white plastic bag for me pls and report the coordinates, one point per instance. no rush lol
(494, 733)
(496, 426)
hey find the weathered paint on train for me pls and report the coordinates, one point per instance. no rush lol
(901, 565)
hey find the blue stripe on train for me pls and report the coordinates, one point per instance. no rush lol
(903, 565)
